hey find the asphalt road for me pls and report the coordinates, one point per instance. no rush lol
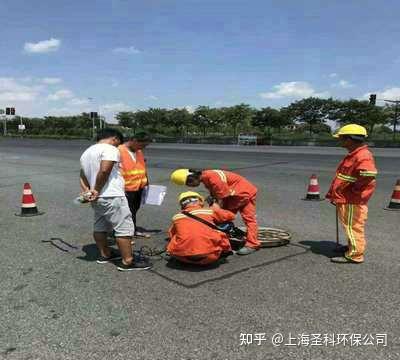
(62, 305)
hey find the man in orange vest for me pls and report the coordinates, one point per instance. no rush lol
(351, 189)
(133, 170)
(194, 242)
(234, 193)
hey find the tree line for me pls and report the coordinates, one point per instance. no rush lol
(310, 115)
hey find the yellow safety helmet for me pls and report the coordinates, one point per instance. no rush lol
(189, 194)
(179, 176)
(351, 129)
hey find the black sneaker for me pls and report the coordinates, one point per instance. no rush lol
(136, 265)
(104, 260)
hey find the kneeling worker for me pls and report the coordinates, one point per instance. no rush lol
(232, 191)
(192, 241)
(351, 189)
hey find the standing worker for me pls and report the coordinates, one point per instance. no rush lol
(351, 189)
(233, 192)
(195, 242)
(133, 170)
(103, 186)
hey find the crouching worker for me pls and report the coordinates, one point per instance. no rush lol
(193, 241)
(233, 192)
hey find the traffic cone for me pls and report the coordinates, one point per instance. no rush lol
(395, 200)
(28, 206)
(313, 191)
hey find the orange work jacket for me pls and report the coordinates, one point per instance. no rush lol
(354, 182)
(190, 237)
(222, 184)
(133, 172)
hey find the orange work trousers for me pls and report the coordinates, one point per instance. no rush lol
(248, 214)
(353, 218)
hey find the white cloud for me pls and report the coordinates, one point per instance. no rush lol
(78, 102)
(344, 84)
(392, 93)
(42, 47)
(51, 80)
(60, 95)
(333, 75)
(12, 90)
(113, 107)
(293, 89)
(109, 110)
(26, 79)
(130, 50)
(60, 112)
(152, 97)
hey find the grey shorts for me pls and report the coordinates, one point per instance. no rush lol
(113, 214)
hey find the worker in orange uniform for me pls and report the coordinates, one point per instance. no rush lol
(194, 242)
(351, 189)
(233, 192)
(133, 170)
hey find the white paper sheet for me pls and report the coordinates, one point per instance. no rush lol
(154, 195)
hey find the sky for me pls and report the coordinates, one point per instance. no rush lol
(65, 57)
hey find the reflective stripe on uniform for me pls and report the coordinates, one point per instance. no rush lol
(134, 181)
(347, 178)
(178, 216)
(206, 212)
(221, 175)
(350, 214)
(133, 172)
(368, 173)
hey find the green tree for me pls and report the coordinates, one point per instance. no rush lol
(311, 111)
(269, 118)
(204, 118)
(238, 116)
(362, 113)
(179, 119)
(126, 119)
(155, 120)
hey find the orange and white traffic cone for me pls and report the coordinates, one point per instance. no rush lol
(28, 206)
(394, 203)
(313, 191)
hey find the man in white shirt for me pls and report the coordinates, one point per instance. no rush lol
(102, 185)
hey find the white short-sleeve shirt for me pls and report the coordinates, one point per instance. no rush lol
(90, 164)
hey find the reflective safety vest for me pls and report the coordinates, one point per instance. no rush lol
(354, 182)
(133, 172)
(222, 184)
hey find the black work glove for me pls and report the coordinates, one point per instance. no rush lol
(210, 200)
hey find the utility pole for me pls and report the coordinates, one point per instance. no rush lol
(5, 122)
(396, 112)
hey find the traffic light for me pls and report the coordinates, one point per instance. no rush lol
(10, 111)
(93, 115)
(372, 99)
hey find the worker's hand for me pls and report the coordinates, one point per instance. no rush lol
(215, 206)
(94, 195)
(210, 200)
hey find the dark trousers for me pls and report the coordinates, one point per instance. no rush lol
(134, 200)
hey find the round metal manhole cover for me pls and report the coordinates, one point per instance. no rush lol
(272, 237)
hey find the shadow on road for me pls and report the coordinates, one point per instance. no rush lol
(91, 253)
(177, 265)
(326, 248)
